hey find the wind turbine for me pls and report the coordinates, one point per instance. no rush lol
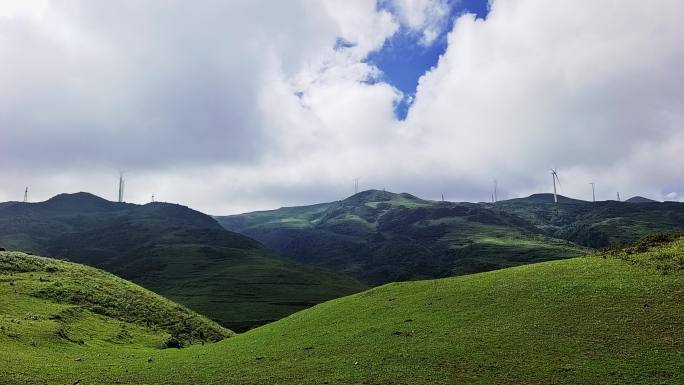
(554, 177)
(122, 183)
(593, 191)
(496, 186)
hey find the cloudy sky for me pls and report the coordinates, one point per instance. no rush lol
(231, 106)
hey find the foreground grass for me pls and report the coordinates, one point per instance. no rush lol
(613, 318)
(49, 306)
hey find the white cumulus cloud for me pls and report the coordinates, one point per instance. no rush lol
(234, 106)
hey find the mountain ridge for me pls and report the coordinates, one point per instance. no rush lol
(640, 199)
(546, 198)
(380, 236)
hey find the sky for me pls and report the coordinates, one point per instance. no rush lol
(234, 106)
(406, 55)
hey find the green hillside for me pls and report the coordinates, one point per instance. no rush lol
(545, 198)
(612, 318)
(46, 304)
(175, 251)
(598, 224)
(640, 199)
(378, 237)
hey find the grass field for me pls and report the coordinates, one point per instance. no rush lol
(611, 318)
(55, 306)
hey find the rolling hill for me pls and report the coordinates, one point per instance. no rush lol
(610, 318)
(598, 224)
(639, 199)
(545, 198)
(175, 251)
(47, 302)
(378, 236)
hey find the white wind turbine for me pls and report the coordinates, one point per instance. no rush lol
(122, 183)
(554, 177)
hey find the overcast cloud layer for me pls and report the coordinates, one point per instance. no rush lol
(235, 106)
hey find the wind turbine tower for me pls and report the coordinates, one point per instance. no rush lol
(593, 192)
(554, 177)
(618, 197)
(122, 183)
(26, 195)
(356, 186)
(496, 186)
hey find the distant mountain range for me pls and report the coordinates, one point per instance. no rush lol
(598, 224)
(176, 251)
(544, 198)
(548, 198)
(378, 236)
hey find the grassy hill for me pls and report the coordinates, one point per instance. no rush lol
(598, 224)
(49, 303)
(612, 318)
(175, 251)
(545, 198)
(640, 199)
(378, 236)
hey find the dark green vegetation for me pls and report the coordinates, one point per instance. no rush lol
(611, 318)
(597, 224)
(380, 236)
(638, 199)
(49, 303)
(175, 251)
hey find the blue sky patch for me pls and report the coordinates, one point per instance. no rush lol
(403, 60)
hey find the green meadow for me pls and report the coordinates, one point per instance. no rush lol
(613, 317)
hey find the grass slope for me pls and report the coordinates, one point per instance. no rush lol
(180, 253)
(378, 237)
(49, 305)
(615, 318)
